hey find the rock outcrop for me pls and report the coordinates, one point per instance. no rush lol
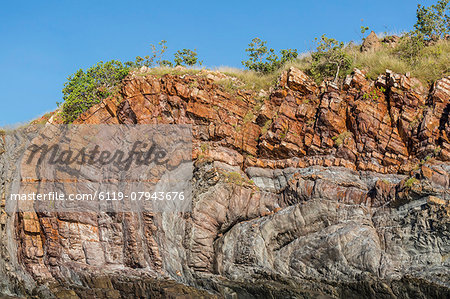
(391, 40)
(309, 191)
(371, 43)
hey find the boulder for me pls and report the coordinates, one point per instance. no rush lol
(371, 43)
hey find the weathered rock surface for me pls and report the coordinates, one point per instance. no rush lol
(371, 43)
(308, 192)
(386, 126)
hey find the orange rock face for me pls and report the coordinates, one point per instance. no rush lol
(385, 126)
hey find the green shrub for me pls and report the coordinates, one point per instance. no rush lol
(186, 57)
(182, 57)
(234, 178)
(437, 150)
(204, 147)
(266, 127)
(374, 94)
(330, 59)
(338, 140)
(87, 88)
(156, 59)
(433, 21)
(410, 182)
(237, 179)
(248, 117)
(264, 60)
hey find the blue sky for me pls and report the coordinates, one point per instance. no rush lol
(43, 42)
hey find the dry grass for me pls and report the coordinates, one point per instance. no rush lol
(256, 81)
(249, 79)
(161, 71)
(376, 63)
(238, 78)
(432, 64)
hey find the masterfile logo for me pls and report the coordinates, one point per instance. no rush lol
(80, 168)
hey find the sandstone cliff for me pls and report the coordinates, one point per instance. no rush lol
(303, 191)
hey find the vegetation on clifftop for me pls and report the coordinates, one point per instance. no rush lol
(87, 88)
(424, 52)
(264, 60)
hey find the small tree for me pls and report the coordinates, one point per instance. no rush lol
(363, 31)
(287, 55)
(264, 60)
(154, 59)
(87, 88)
(157, 54)
(433, 21)
(329, 59)
(186, 57)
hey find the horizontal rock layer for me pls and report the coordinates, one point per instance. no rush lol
(386, 126)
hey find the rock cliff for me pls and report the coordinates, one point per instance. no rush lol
(303, 191)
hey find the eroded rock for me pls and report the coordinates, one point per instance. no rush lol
(300, 192)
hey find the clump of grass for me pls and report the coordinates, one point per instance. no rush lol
(238, 78)
(385, 181)
(338, 140)
(266, 127)
(437, 150)
(251, 80)
(432, 63)
(376, 63)
(248, 117)
(204, 147)
(411, 181)
(237, 179)
(303, 63)
(228, 84)
(259, 104)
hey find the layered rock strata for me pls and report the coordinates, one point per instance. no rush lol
(306, 191)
